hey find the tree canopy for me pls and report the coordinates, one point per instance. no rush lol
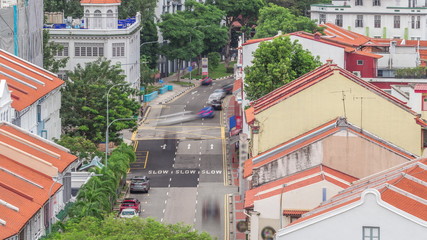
(298, 7)
(127, 229)
(273, 18)
(49, 51)
(84, 98)
(276, 63)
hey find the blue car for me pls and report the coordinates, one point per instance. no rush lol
(206, 112)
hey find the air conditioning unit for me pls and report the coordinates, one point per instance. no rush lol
(357, 73)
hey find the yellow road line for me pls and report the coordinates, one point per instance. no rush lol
(146, 159)
(135, 145)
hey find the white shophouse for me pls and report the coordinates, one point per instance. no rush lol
(402, 19)
(100, 34)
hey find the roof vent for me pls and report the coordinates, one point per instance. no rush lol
(329, 61)
(317, 36)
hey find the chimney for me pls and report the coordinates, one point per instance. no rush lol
(329, 61)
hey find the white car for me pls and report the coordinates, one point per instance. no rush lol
(128, 213)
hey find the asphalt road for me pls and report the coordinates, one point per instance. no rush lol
(186, 165)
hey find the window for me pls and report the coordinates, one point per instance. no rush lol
(110, 19)
(322, 18)
(396, 20)
(418, 22)
(377, 21)
(118, 49)
(98, 19)
(339, 20)
(359, 21)
(359, 62)
(64, 51)
(358, 3)
(89, 50)
(412, 3)
(376, 3)
(371, 233)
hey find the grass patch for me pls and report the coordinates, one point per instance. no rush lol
(182, 83)
(218, 72)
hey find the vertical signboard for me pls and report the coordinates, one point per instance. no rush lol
(205, 66)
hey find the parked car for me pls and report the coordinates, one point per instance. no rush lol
(228, 88)
(216, 104)
(128, 213)
(206, 81)
(131, 203)
(139, 184)
(206, 112)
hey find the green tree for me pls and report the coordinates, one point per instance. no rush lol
(79, 146)
(275, 64)
(71, 8)
(84, 98)
(49, 51)
(185, 41)
(244, 12)
(214, 59)
(273, 18)
(298, 7)
(127, 229)
(149, 49)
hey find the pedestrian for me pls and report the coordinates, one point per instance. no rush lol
(142, 110)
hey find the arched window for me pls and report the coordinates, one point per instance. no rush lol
(110, 18)
(98, 19)
(87, 17)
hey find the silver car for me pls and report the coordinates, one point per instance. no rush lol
(140, 184)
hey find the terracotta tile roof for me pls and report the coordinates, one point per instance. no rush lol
(420, 88)
(403, 187)
(249, 113)
(100, 1)
(368, 54)
(26, 190)
(294, 212)
(27, 81)
(313, 77)
(344, 36)
(296, 181)
(237, 84)
(314, 135)
(252, 41)
(35, 146)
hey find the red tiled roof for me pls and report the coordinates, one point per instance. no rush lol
(344, 36)
(250, 117)
(237, 84)
(27, 81)
(420, 88)
(252, 41)
(24, 188)
(297, 180)
(294, 212)
(100, 1)
(368, 54)
(48, 151)
(313, 77)
(404, 187)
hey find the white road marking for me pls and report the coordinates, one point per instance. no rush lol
(189, 146)
(163, 146)
(212, 146)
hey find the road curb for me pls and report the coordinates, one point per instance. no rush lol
(177, 95)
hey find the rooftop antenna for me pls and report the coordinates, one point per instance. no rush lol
(343, 99)
(361, 110)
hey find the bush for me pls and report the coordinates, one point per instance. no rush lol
(214, 59)
(230, 70)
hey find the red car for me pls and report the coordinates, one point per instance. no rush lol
(206, 81)
(131, 203)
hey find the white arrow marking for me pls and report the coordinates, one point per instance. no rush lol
(189, 145)
(194, 92)
(211, 146)
(163, 146)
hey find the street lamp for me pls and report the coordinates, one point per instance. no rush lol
(106, 136)
(281, 211)
(92, 174)
(147, 43)
(108, 117)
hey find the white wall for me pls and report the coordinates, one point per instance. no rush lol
(348, 224)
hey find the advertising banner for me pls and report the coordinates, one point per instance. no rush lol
(205, 66)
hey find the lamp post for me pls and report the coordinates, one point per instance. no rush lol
(281, 211)
(106, 136)
(50, 197)
(147, 43)
(108, 117)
